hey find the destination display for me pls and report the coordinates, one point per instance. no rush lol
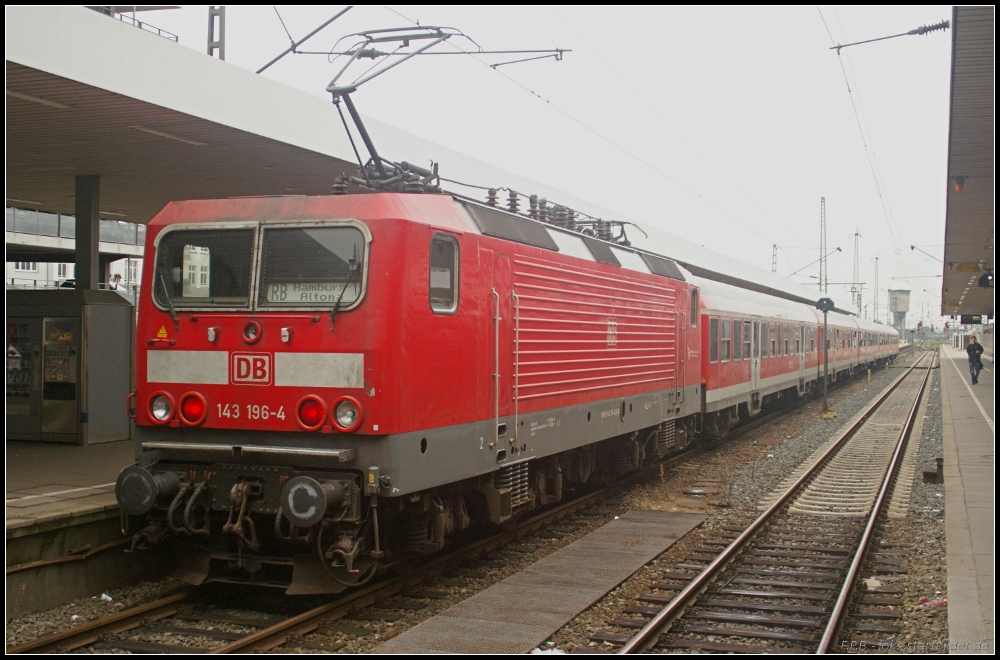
(292, 293)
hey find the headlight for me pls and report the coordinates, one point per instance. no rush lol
(346, 414)
(161, 408)
(251, 333)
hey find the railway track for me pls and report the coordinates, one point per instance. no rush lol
(126, 630)
(788, 580)
(178, 617)
(123, 630)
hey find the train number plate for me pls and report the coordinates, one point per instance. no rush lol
(249, 411)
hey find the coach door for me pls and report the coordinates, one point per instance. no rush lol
(755, 369)
(835, 352)
(503, 343)
(800, 347)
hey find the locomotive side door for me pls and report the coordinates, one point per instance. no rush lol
(680, 359)
(755, 369)
(503, 341)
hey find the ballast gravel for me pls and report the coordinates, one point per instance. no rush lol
(743, 471)
(34, 626)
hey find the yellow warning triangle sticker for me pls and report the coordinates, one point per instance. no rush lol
(163, 332)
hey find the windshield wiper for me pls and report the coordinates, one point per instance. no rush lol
(355, 268)
(170, 303)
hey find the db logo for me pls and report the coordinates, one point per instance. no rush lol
(251, 368)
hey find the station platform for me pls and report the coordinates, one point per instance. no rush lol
(63, 526)
(49, 481)
(969, 437)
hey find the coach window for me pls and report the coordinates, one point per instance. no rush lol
(787, 336)
(737, 339)
(694, 308)
(725, 340)
(774, 341)
(444, 274)
(747, 338)
(763, 340)
(713, 339)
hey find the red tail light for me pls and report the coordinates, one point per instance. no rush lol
(194, 408)
(311, 412)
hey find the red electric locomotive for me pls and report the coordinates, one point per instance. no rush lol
(329, 385)
(326, 385)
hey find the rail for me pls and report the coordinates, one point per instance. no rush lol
(90, 632)
(649, 634)
(834, 625)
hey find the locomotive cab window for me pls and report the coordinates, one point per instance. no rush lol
(444, 274)
(694, 308)
(203, 268)
(312, 267)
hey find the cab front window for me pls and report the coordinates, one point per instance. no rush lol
(204, 268)
(311, 267)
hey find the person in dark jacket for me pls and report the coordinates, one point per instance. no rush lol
(975, 351)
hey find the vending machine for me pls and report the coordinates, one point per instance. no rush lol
(69, 365)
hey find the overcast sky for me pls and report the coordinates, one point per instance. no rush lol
(723, 126)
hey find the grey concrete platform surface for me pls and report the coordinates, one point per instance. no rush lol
(47, 481)
(969, 481)
(64, 538)
(521, 612)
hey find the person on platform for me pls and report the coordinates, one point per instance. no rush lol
(975, 351)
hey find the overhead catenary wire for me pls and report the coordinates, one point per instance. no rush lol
(864, 139)
(893, 226)
(296, 44)
(600, 135)
(894, 232)
(285, 27)
(663, 121)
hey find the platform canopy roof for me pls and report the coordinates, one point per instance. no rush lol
(90, 95)
(969, 238)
